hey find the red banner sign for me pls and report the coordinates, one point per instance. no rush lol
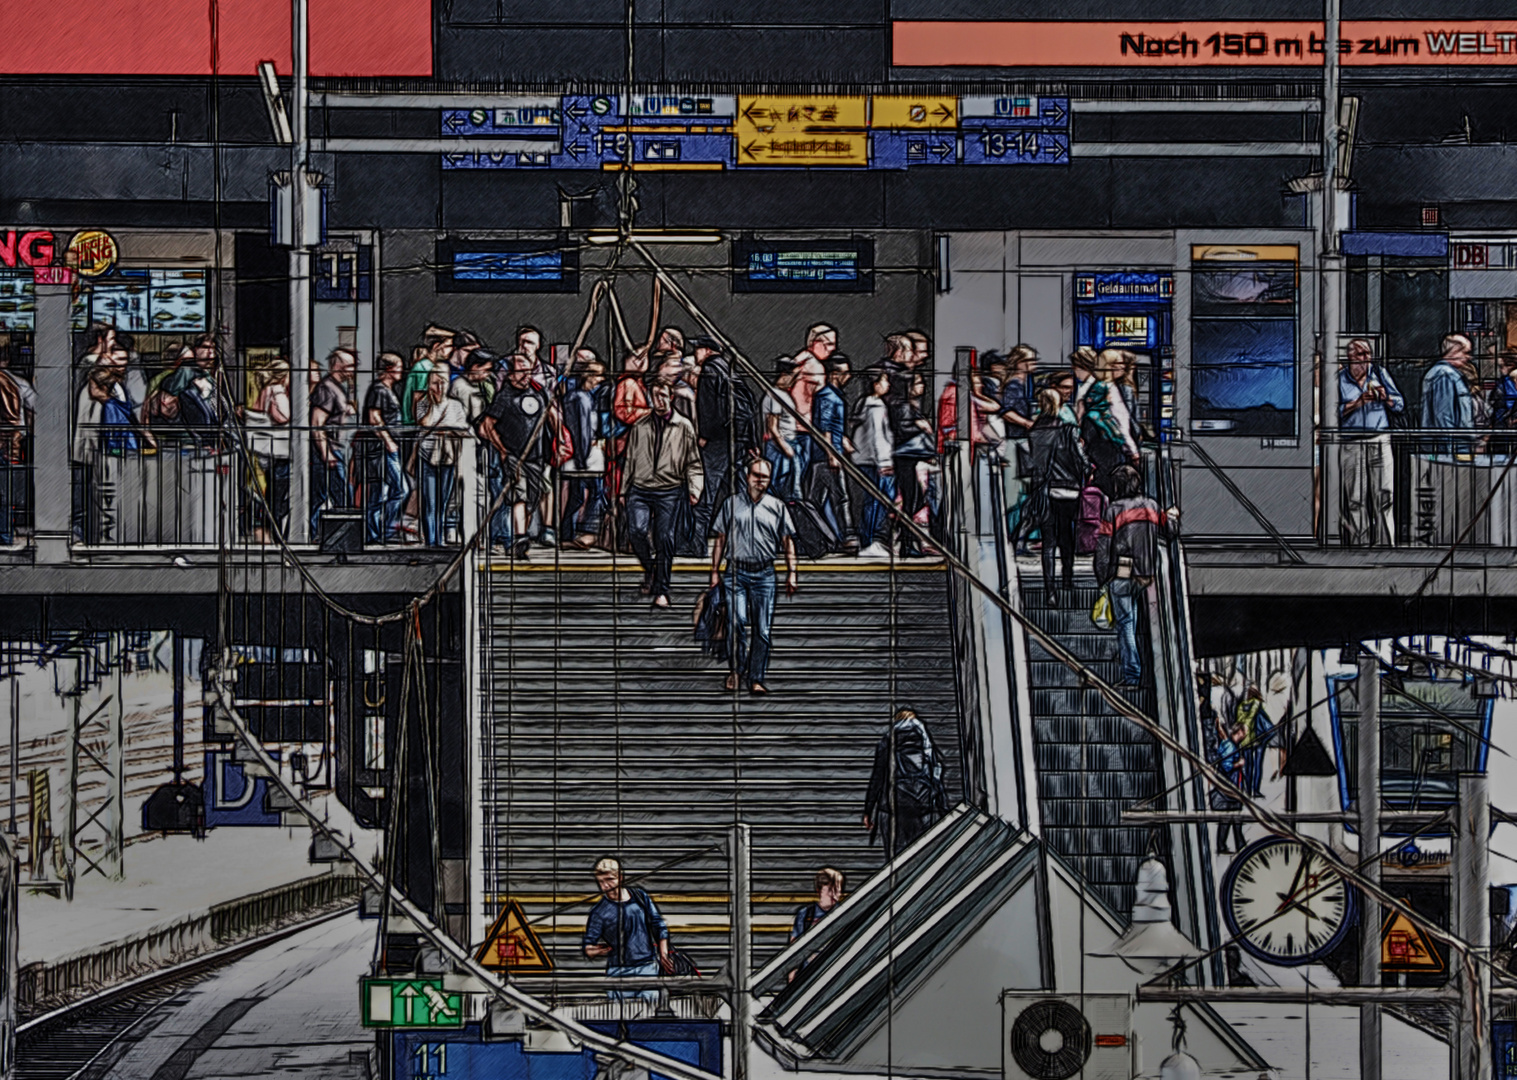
(1140, 43)
(173, 37)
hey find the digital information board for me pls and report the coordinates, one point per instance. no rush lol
(549, 265)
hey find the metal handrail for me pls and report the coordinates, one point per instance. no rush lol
(1179, 706)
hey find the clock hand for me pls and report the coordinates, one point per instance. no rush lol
(1289, 902)
(1295, 881)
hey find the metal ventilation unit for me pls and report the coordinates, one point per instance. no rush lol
(1062, 1036)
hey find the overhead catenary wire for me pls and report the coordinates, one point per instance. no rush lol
(1262, 814)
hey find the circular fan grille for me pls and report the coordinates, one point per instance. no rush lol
(1046, 1024)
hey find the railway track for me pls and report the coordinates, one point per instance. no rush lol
(81, 1041)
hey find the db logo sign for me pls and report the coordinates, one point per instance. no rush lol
(1471, 256)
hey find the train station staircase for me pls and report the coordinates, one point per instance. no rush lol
(608, 732)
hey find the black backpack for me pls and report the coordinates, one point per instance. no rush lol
(680, 963)
(745, 413)
(917, 785)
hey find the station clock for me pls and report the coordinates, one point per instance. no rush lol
(1285, 903)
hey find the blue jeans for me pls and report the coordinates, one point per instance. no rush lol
(1127, 596)
(750, 607)
(872, 515)
(500, 523)
(646, 970)
(785, 480)
(329, 484)
(804, 452)
(384, 493)
(653, 520)
(436, 490)
(582, 509)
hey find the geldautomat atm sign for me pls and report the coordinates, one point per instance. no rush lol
(1140, 43)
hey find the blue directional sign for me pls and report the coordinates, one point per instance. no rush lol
(997, 146)
(524, 116)
(908, 149)
(1015, 111)
(566, 135)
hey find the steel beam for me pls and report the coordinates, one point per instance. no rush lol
(1367, 799)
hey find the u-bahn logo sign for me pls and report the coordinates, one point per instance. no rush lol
(91, 252)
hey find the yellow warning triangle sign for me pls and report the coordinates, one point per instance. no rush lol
(1404, 947)
(511, 945)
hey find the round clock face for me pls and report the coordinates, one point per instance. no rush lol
(1286, 904)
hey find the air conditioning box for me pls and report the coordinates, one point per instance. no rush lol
(1062, 1036)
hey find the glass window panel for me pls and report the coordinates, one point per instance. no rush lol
(1244, 290)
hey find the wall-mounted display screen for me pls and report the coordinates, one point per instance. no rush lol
(137, 300)
(507, 266)
(811, 266)
(1243, 349)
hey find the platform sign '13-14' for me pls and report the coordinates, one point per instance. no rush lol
(997, 146)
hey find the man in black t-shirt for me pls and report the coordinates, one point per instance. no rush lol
(384, 480)
(517, 424)
(330, 408)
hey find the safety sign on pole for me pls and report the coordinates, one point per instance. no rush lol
(511, 945)
(1405, 948)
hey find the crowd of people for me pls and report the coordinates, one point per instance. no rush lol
(1454, 398)
(640, 458)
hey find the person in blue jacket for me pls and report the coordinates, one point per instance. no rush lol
(626, 929)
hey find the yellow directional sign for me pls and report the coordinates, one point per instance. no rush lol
(800, 148)
(788, 113)
(920, 111)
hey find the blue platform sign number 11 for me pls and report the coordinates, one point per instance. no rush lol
(430, 1059)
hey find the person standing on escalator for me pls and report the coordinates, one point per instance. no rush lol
(1127, 560)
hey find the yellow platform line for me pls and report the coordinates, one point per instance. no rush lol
(563, 899)
(629, 566)
(576, 928)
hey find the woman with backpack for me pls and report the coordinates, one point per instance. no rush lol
(917, 800)
(1107, 426)
(1059, 465)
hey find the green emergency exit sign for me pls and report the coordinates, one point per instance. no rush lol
(410, 1003)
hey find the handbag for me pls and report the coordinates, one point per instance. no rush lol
(679, 963)
(1100, 612)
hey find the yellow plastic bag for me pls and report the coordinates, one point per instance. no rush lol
(1101, 613)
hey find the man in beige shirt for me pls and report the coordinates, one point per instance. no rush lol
(663, 464)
